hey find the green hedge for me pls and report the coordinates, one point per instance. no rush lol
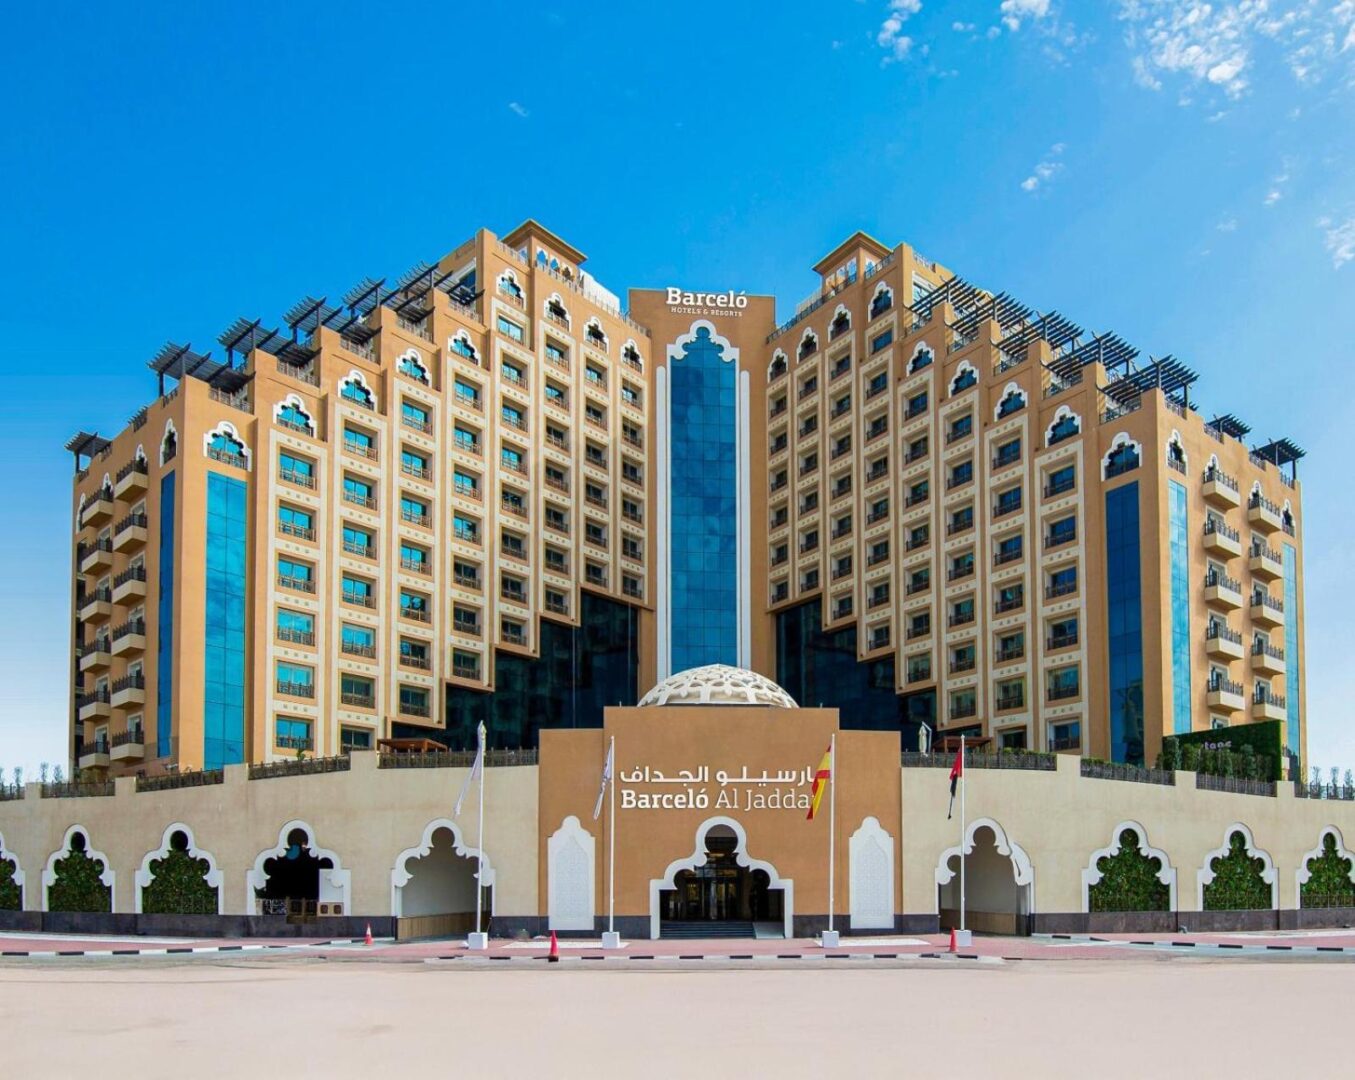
(1237, 884)
(1328, 883)
(1129, 880)
(9, 890)
(179, 887)
(77, 886)
(1248, 751)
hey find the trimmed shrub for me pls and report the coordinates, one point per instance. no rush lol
(1129, 880)
(1237, 884)
(1328, 883)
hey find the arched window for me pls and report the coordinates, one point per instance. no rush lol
(508, 283)
(1176, 453)
(291, 413)
(223, 444)
(461, 345)
(541, 257)
(842, 322)
(778, 366)
(809, 344)
(169, 445)
(1122, 456)
(965, 377)
(882, 301)
(1013, 401)
(555, 309)
(1066, 424)
(922, 358)
(412, 366)
(593, 332)
(631, 355)
(354, 388)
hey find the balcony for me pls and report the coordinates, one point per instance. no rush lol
(1221, 540)
(1263, 514)
(413, 660)
(98, 509)
(130, 532)
(97, 606)
(918, 630)
(960, 618)
(131, 479)
(1267, 659)
(1222, 642)
(96, 556)
(1266, 610)
(128, 745)
(1265, 563)
(1010, 654)
(1225, 694)
(358, 699)
(1055, 642)
(1010, 702)
(1222, 591)
(360, 649)
(1060, 589)
(95, 656)
(295, 689)
(95, 755)
(960, 664)
(963, 710)
(129, 637)
(96, 705)
(1267, 705)
(1058, 539)
(129, 585)
(129, 690)
(1062, 691)
(1221, 489)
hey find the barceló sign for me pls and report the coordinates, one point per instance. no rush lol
(700, 789)
(728, 303)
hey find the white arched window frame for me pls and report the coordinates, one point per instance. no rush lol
(213, 876)
(460, 344)
(356, 378)
(1012, 391)
(876, 307)
(1121, 441)
(805, 348)
(401, 875)
(965, 368)
(632, 352)
(18, 878)
(1063, 412)
(171, 434)
(257, 877)
(292, 401)
(411, 363)
(1175, 440)
(779, 366)
(840, 314)
(1092, 876)
(1302, 875)
(1205, 875)
(225, 429)
(508, 282)
(923, 356)
(555, 300)
(107, 878)
(593, 332)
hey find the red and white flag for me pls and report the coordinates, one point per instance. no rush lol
(956, 775)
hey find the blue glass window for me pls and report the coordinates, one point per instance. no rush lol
(462, 347)
(413, 463)
(356, 541)
(1292, 679)
(1015, 401)
(704, 507)
(355, 590)
(1121, 460)
(1063, 428)
(358, 440)
(293, 416)
(923, 359)
(964, 380)
(295, 674)
(882, 302)
(164, 644)
(410, 365)
(1178, 538)
(295, 521)
(354, 391)
(223, 721)
(292, 733)
(290, 465)
(297, 571)
(360, 637)
(882, 341)
(509, 328)
(1124, 612)
(414, 415)
(295, 622)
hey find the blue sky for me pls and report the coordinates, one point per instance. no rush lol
(1180, 173)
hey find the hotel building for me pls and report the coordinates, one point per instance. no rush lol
(485, 490)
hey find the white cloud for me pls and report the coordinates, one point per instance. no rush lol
(1339, 239)
(992, 32)
(521, 110)
(891, 38)
(1216, 117)
(1216, 44)
(1045, 171)
(1272, 197)
(1013, 11)
(1227, 225)
(962, 27)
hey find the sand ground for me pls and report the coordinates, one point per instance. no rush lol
(306, 1017)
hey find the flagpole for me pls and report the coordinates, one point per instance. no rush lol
(963, 779)
(480, 844)
(611, 843)
(832, 820)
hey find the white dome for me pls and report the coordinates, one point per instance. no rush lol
(718, 684)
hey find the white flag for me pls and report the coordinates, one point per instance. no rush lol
(606, 778)
(476, 766)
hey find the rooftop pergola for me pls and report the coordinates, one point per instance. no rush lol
(1281, 452)
(86, 444)
(180, 362)
(1166, 373)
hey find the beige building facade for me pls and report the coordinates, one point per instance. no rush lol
(485, 491)
(709, 805)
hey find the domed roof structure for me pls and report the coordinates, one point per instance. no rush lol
(718, 684)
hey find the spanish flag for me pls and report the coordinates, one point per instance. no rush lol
(821, 777)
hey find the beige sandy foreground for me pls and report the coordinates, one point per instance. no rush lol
(265, 1019)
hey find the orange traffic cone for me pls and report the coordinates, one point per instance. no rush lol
(954, 944)
(368, 939)
(554, 956)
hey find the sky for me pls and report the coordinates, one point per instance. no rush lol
(1181, 173)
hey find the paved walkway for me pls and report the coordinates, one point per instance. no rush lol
(1058, 947)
